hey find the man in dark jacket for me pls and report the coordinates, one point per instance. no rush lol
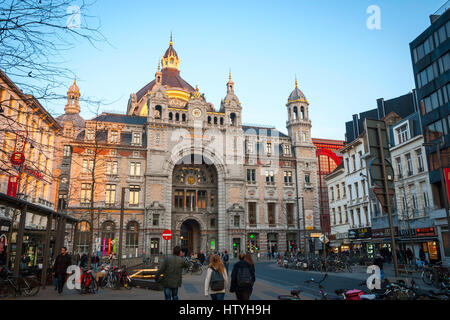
(62, 262)
(242, 269)
(171, 269)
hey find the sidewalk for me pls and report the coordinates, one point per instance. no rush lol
(191, 289)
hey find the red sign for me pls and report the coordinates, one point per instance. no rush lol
(167, 234)
(447, 181)
(12, 186)
(17, 158)
(425, 231)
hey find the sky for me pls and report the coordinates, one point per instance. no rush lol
(341, 65)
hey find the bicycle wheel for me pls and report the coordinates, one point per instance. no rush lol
(31, 287)
(427, 277)
(349, 268)
(93, 285)
(7, 290)
(199, 271)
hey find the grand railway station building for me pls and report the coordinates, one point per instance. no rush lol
(187, 167)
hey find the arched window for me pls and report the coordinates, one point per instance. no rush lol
(108, 235)
(158, 112)
(215, 120)
(296, 113)
(302, 113)
(177, 117)
(82, 236)
(232, 119)
(221, 121)
(132, 239)
(209, 119)
(170, 116)
(183, 117)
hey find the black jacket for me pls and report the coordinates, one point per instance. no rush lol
(62, 262)
(240, 264)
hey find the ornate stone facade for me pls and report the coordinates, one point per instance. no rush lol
(215, 183)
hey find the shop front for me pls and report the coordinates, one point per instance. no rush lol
(422, 238)
(361, 242)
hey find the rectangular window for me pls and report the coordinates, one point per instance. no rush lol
(111, 167)
(212, 200)
(354, 162)
(402, 134)
(179, 199)
(287, 177)
(356, 190)
(269, 147)
(287, 150)
(249, 147)
(114, 136)
(155, 219)
(136, 138)
(90, 134)
(409, 163)
(426, 200)
(85, 193)
(307, 179)
(88, 165)
(110, 197)
(398, 162)
(251, 175)
(135, 169)
(134, 195)
(270, 177)
(67, 151)
(271, 213)
(252, 213)
(201, 199)
(236, 221)
(290, 214)
(190, 200)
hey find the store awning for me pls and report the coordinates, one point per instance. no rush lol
(419, 240)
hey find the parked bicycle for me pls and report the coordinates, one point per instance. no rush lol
(13, 286)
(88, 282)
(195, 267)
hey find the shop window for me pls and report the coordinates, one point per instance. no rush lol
(132, 239)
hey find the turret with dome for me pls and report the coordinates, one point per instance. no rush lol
(72, 108)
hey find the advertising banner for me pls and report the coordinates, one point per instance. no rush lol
(309, 220)
(447, 181)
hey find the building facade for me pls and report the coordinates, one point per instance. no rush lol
(430, 54)
(186, 167)
(28, 135)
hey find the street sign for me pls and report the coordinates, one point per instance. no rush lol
(375, 165)
(167, 234)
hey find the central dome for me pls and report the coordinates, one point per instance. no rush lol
(176, 87)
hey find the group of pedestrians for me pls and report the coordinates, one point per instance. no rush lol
(241, 282)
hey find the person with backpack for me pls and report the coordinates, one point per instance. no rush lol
(226, 260)
(216, 279)
(242, 279)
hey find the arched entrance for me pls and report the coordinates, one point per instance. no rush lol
(195, 203)
(190, 236)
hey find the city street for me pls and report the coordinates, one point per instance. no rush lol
(271, 281)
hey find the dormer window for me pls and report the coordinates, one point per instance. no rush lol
(402, 134)
(136, 138)
(90, 134)
(287, 150)
(114, 136)
(269, 147)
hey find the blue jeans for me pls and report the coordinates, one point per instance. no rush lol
(218, 296)
(171, 293)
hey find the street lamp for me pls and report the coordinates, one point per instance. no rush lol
(437, 144)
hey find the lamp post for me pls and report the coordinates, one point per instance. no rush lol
(437, 144)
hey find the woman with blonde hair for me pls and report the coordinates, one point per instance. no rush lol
(216, 279)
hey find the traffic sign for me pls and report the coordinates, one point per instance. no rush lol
(167, 234)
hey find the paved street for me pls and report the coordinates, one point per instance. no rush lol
(272, 280)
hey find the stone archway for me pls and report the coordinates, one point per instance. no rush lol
(190, 236)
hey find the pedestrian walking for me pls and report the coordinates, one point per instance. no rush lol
(171, 270)
(378, 261)
(226, 260)
(62, 262)
(422, 255)
(242, 278)
(216, 279)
